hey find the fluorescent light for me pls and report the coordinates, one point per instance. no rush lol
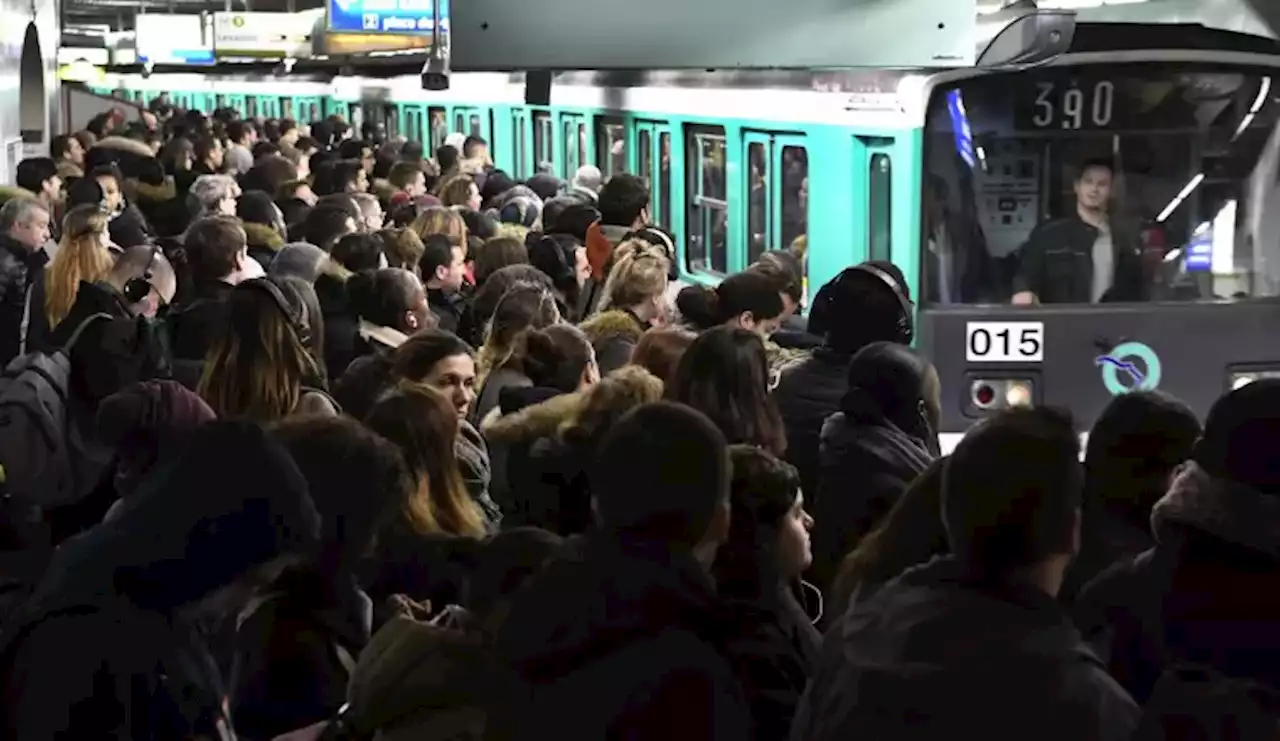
(1177, 201)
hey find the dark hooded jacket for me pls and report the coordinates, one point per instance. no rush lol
(1204, 595)
(194, 325)
(620, 640)
(614, 334)
(938, 654)
(263, 242)
(866, 462)
(295, 649)
(808, 392)
(525, 415)
(104, 648)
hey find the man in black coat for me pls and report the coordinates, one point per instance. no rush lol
(24, 230)
(623, 639)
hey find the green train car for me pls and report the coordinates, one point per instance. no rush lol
(1170, 135)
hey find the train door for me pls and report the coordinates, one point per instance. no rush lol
(776, 190)
(522, 143)
(573, 143)
(411, 121)
(544, 158)
(652, 161)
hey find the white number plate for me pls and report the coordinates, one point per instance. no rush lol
(1004, 342)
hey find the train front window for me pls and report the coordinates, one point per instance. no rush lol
(1102, 183)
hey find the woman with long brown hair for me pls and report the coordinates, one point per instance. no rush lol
(84, 255)
(261, 367)
(414, 553)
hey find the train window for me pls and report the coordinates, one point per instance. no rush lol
(286, 107)
(459, 122)
(664, 177)
(708, 219)
(251, 106)
(475, 125)
(439, 127)
(758, 206)
(582, 144)
(611, 146)
(313, 112)
(795, 195)
(542, 136)
(644, 155)
(880, 207)
(220, 100)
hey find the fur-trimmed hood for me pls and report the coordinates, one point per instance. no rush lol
(527, 425)
(261, 235)
(150, 193)
(1232, 512)
(612, 324)
(10, 192)
(124, 144)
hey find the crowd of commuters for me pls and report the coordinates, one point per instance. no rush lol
(311, 436)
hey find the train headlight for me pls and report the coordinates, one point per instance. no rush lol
(991, 394)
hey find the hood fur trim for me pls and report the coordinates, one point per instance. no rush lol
(261, 235)
(1237, 514)
(166, 191)
(612, 324)
(10, 192)
(530, 423)
(124, 144)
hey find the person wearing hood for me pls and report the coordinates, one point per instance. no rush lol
(1135, 449)
(148, 425)
(564, 260)
(559, 363)
(872, 449)
(110, 644)
(1203, 595)
(301, 260)
(757, 571)
(624, 638)
(295, 646)
(150, 196)
(809, 391)
(975, 645)
(263, 223)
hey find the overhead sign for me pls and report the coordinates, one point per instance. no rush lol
(94, 55)
(340, 44)
(271, 35)
(174, 39)
(386, 16)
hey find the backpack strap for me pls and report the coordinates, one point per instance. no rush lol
(75, 336)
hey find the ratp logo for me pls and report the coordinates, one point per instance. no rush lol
(1131, 366)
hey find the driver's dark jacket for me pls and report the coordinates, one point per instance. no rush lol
(1056, 263)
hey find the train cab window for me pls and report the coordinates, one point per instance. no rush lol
(611, 147)
(439, 127)
(758, 206)
(795, 195)
(707, 219)
(543, 159)
(880, 222)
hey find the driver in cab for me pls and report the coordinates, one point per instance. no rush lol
(1081, 258)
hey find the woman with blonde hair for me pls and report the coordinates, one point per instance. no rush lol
(261, 367)
(438, 220)
(462, 191)
(84, 255)
(633, 300)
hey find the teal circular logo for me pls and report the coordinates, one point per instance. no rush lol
(1131, 366)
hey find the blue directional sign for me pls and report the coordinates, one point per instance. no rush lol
(385, 16)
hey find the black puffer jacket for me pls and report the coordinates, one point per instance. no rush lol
(937, 654)
(106, 647)
(1206, 594)
(19, 269)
